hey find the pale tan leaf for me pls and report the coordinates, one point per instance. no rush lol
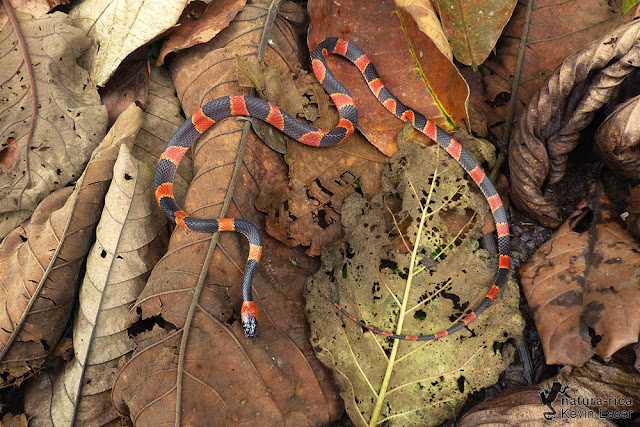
(35, 8)
(426, 17)
(40, 261)
(118, 28)
(70, 124)
(130, 238)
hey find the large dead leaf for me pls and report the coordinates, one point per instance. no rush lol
(408, 61)
(130, 238)
(376, 278)
(618, 138)
(40, 262)
(118, 28)
(473, 27)
(194, 367)
(199, 23)
(70, 120)
(555, 31)
(583, 286)
(550, 128)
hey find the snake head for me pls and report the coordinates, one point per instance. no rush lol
(249, 316)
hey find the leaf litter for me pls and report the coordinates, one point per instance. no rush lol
(429, 213)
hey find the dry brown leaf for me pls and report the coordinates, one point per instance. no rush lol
(583, 286)
(557, 29)
(618, 138)
(70, 120)
(473, 26)
(195, 366)
(199, 23)
(129, 84)
(550, 128)
(41, 259)
(426, 18)
(117, 29)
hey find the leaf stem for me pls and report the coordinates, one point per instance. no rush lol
(405, 300)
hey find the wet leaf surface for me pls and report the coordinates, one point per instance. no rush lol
(583, 286)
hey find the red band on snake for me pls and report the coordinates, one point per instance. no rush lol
(226, 106)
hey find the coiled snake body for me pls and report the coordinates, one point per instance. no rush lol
(227, 106)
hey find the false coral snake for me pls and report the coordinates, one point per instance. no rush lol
(226, 106)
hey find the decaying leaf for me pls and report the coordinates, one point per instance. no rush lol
(129, 84)
(618, 138)
(199, 23)
(473, 27)
(550, 41)
(583, 286)
(130, 238)
(117, 29)
(70, 124)
(41, 259)
(192, 363)
(564, 105)
(426, 18)
(405, 382)
(408, 62)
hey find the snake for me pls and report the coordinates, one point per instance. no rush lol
(240, 105)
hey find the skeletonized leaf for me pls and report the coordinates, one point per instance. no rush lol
(118, 28)
(130, 238)
(428, 382)
(583, 286)
(40, 260)
(70, 120)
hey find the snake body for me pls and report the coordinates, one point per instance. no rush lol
(238, 105)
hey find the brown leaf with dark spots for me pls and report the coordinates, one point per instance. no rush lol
(618, 139)
(199, 23)
(550, 41)
(41, 259)
(550, 128)
(583, 286)
(192, 364)
(409, 63)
